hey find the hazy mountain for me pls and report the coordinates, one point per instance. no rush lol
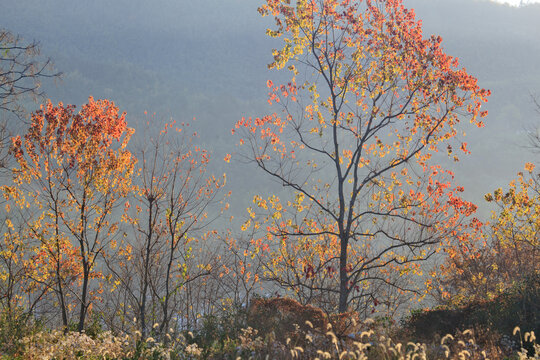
(207, 59)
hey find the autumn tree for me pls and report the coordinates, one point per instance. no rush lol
(170, 218)
(500, 253)
(21, 71)
(20, 295)
(72, 169)
(509, 250)
(368, 105)
(516, 224)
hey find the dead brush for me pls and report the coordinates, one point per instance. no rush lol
(308, 343)
(369, 345)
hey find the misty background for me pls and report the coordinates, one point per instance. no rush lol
(207, 59)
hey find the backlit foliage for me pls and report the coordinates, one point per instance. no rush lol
(72, 170)
(517, 220)
(504, 251)
(369, 102)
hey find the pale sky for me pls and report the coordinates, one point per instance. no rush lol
(517, 2)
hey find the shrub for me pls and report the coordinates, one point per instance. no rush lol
(517, 305)
(14, 326)
(280, 315)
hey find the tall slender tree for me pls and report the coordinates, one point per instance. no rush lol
(369, 104)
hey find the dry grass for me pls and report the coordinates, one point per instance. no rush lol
(307, 344)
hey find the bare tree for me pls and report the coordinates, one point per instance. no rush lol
(21, 72)
(169, 221)
(534, 134)
(241, 269)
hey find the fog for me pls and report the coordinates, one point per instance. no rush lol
(207, 60)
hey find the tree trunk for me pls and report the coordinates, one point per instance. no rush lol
(343, 277)
(62, 301)
(82, 313)
(146, 266)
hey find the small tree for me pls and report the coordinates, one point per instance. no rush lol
(72, 168)
(509, 252)
(497, 254)
(241, 269)
(369, 103)
(169, 218)
(20, 293)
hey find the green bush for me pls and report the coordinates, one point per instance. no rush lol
(14, 326)
(219, 334)
(496, 319)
